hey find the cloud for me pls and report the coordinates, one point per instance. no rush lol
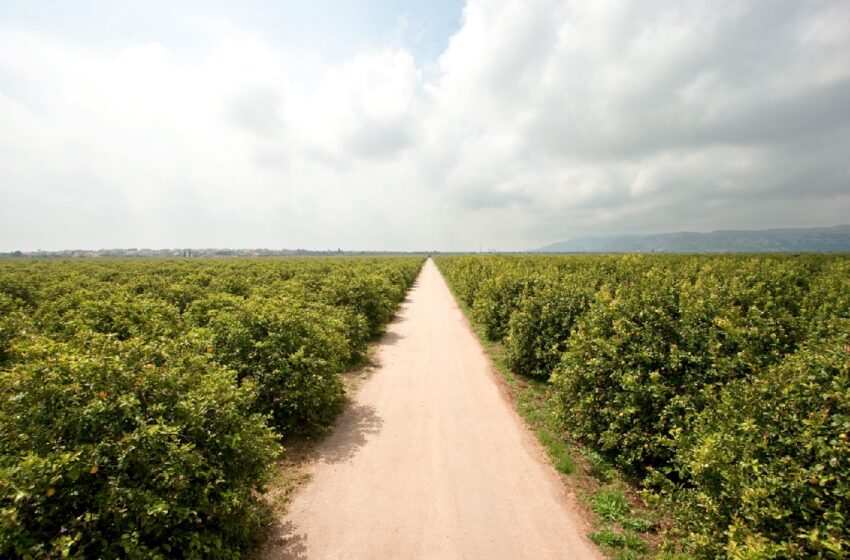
(642, 116)
(540, 120)
(256, 111)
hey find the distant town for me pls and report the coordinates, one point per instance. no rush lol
(185, 253)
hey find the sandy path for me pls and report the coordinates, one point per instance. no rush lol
(430, 461)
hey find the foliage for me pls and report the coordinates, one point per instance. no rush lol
(293, 350)
(141, 401)
(774, 479)
(615, 539)
(610, 504)
(720, 380)
(125, 448)
(497, 298)
(540, 327)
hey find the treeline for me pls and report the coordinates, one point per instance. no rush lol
(143, 403)
(723, 382)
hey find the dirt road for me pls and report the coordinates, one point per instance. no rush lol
(430, 461)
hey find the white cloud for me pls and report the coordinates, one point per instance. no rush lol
(541, 120)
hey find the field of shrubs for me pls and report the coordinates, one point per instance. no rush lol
(721, 382)
(143, 402)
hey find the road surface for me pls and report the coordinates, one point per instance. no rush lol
(430, 461)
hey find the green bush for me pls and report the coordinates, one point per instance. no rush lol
(18, 288)
(651, 353)
(318, 292)
(826, 304)
(769, 463)
(619, 382)
(464, 275)
(539, 329)
(370, 295)
(127, 449)
(107, 310)
(9, 326)
(496, 299)
(294, 351)
(712, 376)
(201, 311)
(136, 396)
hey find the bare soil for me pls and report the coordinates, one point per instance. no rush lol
(429, 460)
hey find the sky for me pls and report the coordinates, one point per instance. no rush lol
(444, 125)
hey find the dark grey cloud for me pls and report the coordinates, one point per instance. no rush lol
(646, 115)
(722, 90)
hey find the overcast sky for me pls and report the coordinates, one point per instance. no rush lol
(494, 124)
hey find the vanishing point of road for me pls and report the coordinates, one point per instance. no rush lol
(430, 461)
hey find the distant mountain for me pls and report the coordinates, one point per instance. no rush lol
(791, 240)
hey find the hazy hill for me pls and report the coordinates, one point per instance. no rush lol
(821, 240)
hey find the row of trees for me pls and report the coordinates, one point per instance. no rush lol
(143, 403)
(722, 381)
